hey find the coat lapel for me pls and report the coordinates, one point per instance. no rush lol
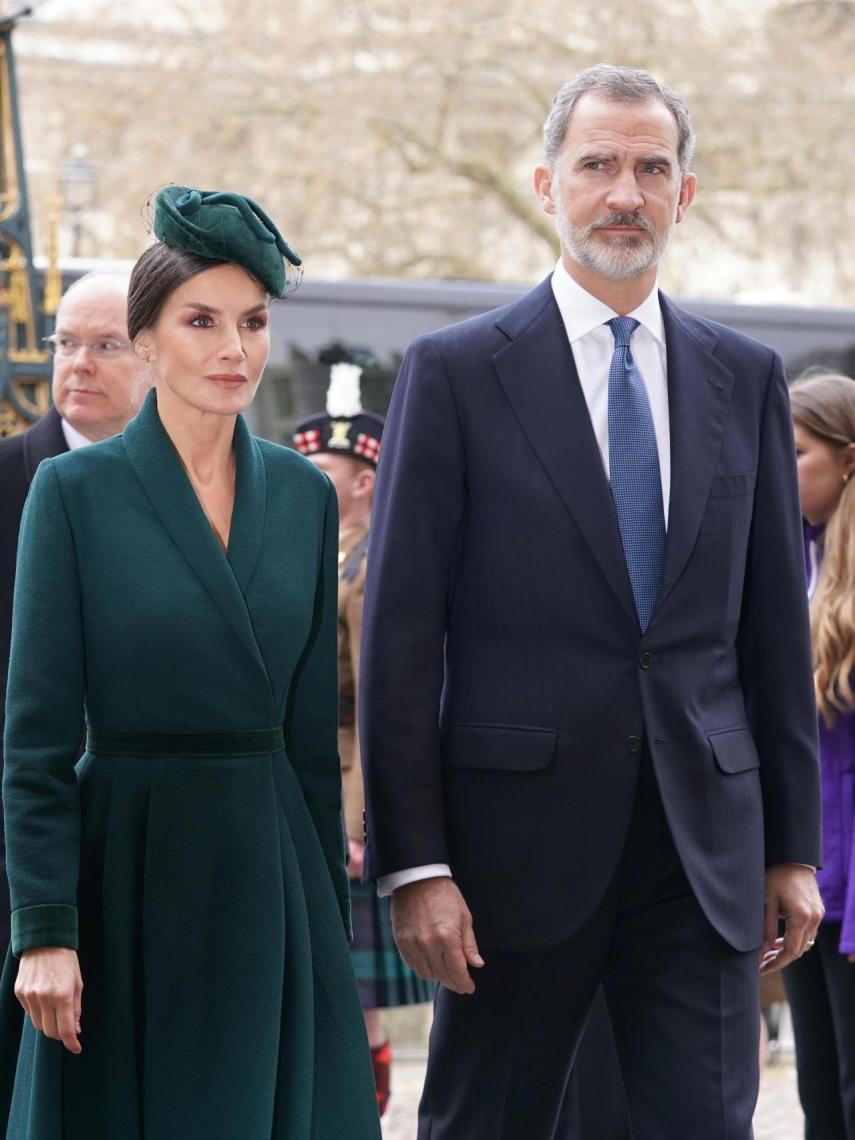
(250, 509)
(159, 470)
(699, 394)
(539, 377)
(43, 440)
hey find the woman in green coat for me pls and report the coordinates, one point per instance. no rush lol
(180, 899)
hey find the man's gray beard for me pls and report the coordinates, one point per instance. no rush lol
(616, 258)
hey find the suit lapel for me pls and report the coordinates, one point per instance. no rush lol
(539, 377)
(699, 394)
(159, 470)
(43, 440)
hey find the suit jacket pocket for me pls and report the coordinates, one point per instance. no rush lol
(727, 486)
(500, 747)
(734, 750)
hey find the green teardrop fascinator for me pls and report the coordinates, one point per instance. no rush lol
(225, 227)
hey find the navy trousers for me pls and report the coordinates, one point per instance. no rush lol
(821, 992)
(683, 1005)
(594, 1105)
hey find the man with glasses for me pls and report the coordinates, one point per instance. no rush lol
(98, 385)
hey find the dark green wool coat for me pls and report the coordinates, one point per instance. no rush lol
(198, 868)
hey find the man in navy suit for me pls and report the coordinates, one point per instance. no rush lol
(97, 386)
(587, 703)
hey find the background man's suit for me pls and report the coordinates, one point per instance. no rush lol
(514, 719)
(20, 455)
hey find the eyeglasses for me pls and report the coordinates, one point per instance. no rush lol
(101, 349)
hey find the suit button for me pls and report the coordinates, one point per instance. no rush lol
(633, 744)
(645, 660)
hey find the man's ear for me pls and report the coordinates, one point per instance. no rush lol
(543, 188)
(687, 194)
(363, 486)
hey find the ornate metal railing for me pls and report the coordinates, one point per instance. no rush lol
(25, 317)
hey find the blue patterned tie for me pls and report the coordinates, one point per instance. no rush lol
(634, 472)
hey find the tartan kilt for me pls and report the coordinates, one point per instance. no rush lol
(383, 978)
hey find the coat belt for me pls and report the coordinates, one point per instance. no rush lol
(251, 742)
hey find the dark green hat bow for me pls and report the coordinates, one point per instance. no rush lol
(224, 226)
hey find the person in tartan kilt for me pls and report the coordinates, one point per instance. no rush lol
(344, 441)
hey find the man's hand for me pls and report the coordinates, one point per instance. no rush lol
(433, 929)
(49, 987)
(791, 894)
(355, 858)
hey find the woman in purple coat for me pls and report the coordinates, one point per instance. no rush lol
(821, 985)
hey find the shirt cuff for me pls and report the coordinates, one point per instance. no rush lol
(386, 884)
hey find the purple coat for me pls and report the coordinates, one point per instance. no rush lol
(837, 757)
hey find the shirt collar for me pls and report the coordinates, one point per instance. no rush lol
(73, 437)
(583, 313)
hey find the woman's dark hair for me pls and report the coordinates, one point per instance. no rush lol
(156, 275)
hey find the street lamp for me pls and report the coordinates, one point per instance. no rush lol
(78, 184)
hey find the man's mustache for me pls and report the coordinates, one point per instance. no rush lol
(620, 219)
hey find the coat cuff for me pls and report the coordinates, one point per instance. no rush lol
(50, 924)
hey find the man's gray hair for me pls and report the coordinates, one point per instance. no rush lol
(620, 85)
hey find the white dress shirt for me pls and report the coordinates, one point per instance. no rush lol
(592, 343)
(73, 437)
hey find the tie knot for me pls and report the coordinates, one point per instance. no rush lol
(622, 329)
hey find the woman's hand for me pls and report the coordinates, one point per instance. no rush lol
(49, 987)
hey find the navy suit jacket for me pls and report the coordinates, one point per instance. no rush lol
(506, 685)
(20, 455)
